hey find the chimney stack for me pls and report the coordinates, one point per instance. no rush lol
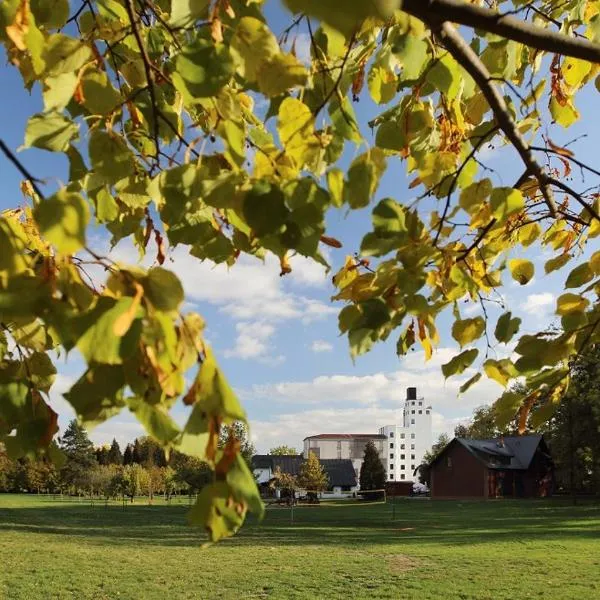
(411, 393)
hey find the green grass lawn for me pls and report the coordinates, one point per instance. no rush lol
(440, 549)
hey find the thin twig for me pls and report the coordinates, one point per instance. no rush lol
(19, 165)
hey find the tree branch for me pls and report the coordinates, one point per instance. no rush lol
(468, 59)
(147, 69)
(17, 163)
(463, 13)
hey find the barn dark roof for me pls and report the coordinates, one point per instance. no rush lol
(509, 452)
(339, 470)
(347, 436)
(262, 461)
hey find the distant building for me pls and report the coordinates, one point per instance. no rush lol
(407, 443)
(340, 472)
(344, 446)
(509, 467)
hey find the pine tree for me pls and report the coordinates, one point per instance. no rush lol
(115, 457)
(137, 452)
(312, 476)
(372, 472)
(79, 450)
(128, 455)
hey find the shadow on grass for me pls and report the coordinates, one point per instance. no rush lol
(354, 525)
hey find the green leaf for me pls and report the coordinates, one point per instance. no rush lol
(203, 68)
(506, 201)
(467, 330)
(96, 334)
(186, 12)
(31, 335)
(155, 419)
(52, 14)
(506, 407)
(163, 289)
(62, 220)
(556, 263)
(501, 371)
(281, 73)
(506, 327)
(212, 395)
(446, 77)
(335, 183)
(99, 95)
(58, 91)
(473, 196)
(97, 394)
(50, 131)
(472, 381)
(64, 54)
(264, 209)
(347, 20)
(459, 363)
(571, 303)
(579, 276)
(363, 178)
(41, 371)
(110, 157)
(521, 270)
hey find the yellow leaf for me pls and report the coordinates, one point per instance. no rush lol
(18, 30)
(522, 270)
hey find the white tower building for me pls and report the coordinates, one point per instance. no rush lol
(407, 443)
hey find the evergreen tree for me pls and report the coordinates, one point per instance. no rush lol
(137, 456)
(312, 476)
(128, 455)
(114, 454)
(101, 455)
(372, 472)
(80, 455)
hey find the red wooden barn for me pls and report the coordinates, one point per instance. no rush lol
(509, 467)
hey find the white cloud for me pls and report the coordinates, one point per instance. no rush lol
(252, 342)
(539, 304)
(251, 289)
(321, 346)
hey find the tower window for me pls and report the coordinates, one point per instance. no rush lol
(412, 435)
(412, 421)
(402, 476)
(391, 476)
(427, 412)
(420, 412)
(412, 456)
(401, 436)
(412, 446)
(402, 446)
(391, 434)
(391, 445)
(402, 456)
(392, 455)
(412, 412)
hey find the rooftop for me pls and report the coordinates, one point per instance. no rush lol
(347, 436)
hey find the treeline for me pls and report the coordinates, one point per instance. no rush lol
(142, 469)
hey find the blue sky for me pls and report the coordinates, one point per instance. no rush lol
(277, 338)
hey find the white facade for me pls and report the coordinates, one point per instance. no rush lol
(407, 443)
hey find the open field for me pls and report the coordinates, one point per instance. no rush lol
(498, 549)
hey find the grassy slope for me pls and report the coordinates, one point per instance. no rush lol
(438, 549)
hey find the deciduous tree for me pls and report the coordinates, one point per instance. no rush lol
(312, 476)
(283, 450)
(156, 107)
